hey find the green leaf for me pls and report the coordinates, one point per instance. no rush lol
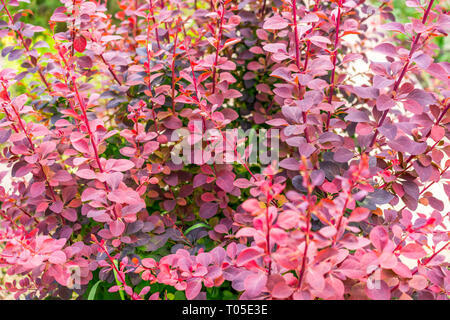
(93, 290)
(122, 296)
(170, 296)
(179, 295)
(196, 226)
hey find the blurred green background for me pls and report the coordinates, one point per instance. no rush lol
(403, 13)
(43, 9)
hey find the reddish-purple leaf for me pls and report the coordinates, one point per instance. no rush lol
(225, 181)
(208, 210)
(120, 164)
(378, 290)
(117, 227)
(246, 232)
(79, 43)
(247, 255)
(343, 155)
(193, 287)
(275, 23)
(357, 116)
(386, 49)
(58, 257)
(384, 102)
(315, 279)
(86, 174)
(437, 133)
(379, 237)
(255, 283)
(37, 189)
(418, 282)
(422, 97)
(70, 214)
(413, 251)
(281, 290)
(359, 214)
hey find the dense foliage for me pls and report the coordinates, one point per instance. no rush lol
(98, 208)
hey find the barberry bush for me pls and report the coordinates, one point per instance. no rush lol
(94, 204)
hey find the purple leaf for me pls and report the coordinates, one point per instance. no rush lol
(317, 177)
(275, 23)
(411, 189)
(58, 257)
(116, 227)
(281, 290)
(225, 181)
(247, 255)
(208, 210)
(388, 130)
(290, 164)
(422, 97)
(86, 174)
(70, 214)
(193, 287)
(329, 137)
(343, 155)
(413, 251)
(255, 283)
(386, 49)
(357, 116)
(379, 237)
(404, 144)
(120, 165)
(423, 172)
(378, 290)
(384, 102)
(37, 188)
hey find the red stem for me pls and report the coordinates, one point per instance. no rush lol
(122, 279)
(434, 255)
(91, 136)
(88, 127)
(86, 121)
(22, 126)
(218, 40)
(263, 10)
(308, 221)
(297, 60)
(333, 72)
(180, 230)
(73, 29)
(111, 70)
(268, 237)
(308, 46)
(154, 22)
(305, 253)
(338, 227)
(8, 116)
(197, 99)
(149, 75)
(173, 69)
